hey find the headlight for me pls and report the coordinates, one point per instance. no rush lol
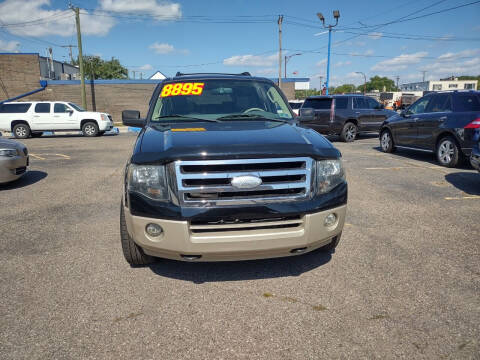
(104, 117)
(330, 173)
(148, 180)
(8, 152)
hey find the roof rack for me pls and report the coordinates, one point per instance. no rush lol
(245, 73)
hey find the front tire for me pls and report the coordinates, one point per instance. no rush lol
(90, 129)
(349, 132)
(448, 153)
(386, 141)
(131, 251)
(21, 131)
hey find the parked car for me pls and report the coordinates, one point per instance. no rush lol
(475, 156)
(441, 122)
(296, 105)
(220, 171)
(344, 115)
(25, 119)
(13, 160)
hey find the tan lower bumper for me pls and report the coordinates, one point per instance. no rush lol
(222, 245)
(8, 166)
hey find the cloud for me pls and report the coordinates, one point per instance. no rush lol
(33, 18)
(162, 10)
(252, 60)
(343, 63)
(267, 71)
(9, 46)
(375, 35)
(400, 62)
(164, 49)
(322, 62)
(145, 67)
(464, 53)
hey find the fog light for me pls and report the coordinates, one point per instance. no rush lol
(330, 220)
(153, 230)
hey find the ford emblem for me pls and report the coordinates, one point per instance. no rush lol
(246, 182)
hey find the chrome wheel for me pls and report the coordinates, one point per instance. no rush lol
(21, 131)
(89, 130)
(446, 151)
(350, 132)
(385, 141)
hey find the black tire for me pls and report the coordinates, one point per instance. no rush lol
(386, 141)
(332, 245)
(448, 152)
(90, 129)
(100, 133)
(21, 131)
(349, 132)
(37, 134)
(132, 252)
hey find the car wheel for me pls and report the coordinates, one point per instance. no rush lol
(349, 132)
(37, 134)
(90, 129)
(131, 251)
(330, 247)
(21, 131)
(100, 133)
(448, 153)
(386, 141)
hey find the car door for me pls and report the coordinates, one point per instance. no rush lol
(42, 118)
(362, 112)
(436, 113)
(405, 131)
(64, 116)
(377, 114)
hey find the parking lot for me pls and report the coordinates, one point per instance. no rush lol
(404, 281)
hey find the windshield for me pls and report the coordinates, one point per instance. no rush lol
(76, 107)
(224, 99)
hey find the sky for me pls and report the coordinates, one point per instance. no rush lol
(400, 38)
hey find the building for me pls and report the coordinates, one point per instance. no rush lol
(441, 85)
(56, 70)
(289, 85)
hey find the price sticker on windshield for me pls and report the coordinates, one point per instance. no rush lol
(187, 88)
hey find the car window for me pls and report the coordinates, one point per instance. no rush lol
(341, 103)
(15, 108)
(295, 105)
(466, 102)
(76, 107)
(419, 107)
(440, 103)
(372, 104)
(60, 108)
(318, 104)
(42, 108)
(359, 103)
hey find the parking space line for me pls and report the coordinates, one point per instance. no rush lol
(50, 156)
(37, 157)
(64, 156)
(463, 197)
(394, 168)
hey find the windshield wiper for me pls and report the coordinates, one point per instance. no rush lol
(183, 117)
(248, 116)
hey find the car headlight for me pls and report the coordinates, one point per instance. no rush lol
(148, 180)
(104, 117)
(330, 173)
(8, 152)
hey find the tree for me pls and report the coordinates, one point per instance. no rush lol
(100, 69)
(379, 83)
(343, 89)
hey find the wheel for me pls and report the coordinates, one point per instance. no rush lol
(21, 131)
(330, 247)
(37, 134)
(386, 141)
(100, 133)
(132, 252)
(90, 129)
(448, 153)
(349, 132)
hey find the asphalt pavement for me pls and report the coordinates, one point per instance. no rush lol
(403, 283)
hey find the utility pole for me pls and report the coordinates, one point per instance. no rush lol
(134, 72)
(336, 15)
(423, 73)
(398, 78)
(80, 56)
(69, 51)
(321, 83)
(364, 81)
(280, 21)
(288, 57)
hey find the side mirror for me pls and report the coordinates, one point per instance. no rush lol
(132, 118)
(70, 111)
(306, 114)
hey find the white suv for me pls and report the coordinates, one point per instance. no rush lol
(32, 118)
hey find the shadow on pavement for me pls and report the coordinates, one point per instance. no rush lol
(240, 270)
(467, 182)
(30, 178)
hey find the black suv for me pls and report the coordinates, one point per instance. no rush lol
(441, 122)
(344, 115)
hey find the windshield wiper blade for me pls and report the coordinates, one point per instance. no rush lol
(249, 116)
(184, 117)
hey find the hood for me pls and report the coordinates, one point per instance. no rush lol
(229, 139)
(11, 144)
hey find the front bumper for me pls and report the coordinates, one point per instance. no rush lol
(235, 242)
(12, 168)
(105, 126)
(475, 160)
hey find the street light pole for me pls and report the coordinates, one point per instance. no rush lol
(364, 81)
(287, 57)
(336, 15)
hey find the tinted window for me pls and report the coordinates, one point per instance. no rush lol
(318, 104)
(341, 103)
(295, 105)
(60, 108)
(372, 104)
(14, 108)
(360, 103)
(42, 108)
(419, 107)
(467, 102)
(440, 103)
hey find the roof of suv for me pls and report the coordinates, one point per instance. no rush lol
(207, 76)
(333, 96)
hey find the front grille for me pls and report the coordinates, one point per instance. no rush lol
(20, 170)
(209, 181)
(110, 117)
